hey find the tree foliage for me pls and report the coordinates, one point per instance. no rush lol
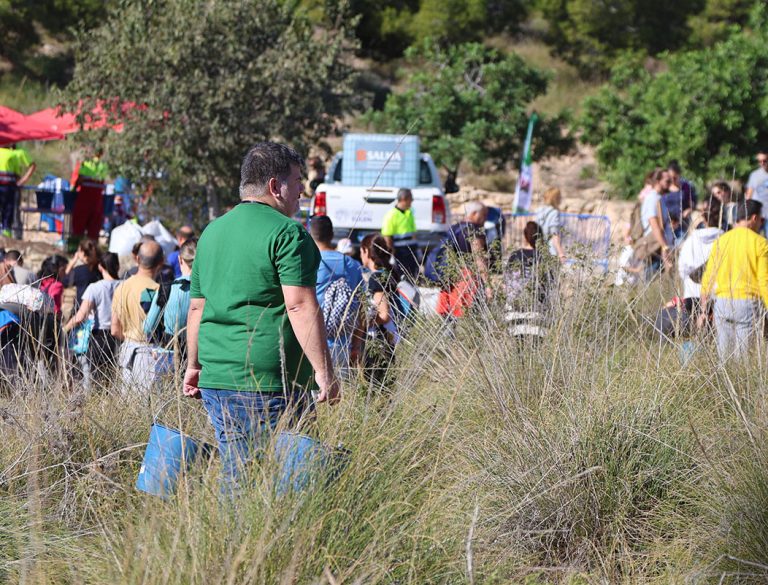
(20, 25)
(591, 34)
(469, 103)
(718, 20)
(386, 28)
(211, 77)
(708, 109)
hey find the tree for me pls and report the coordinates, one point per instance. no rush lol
(708, 109)
(21, 22)
(591, 34)
(210, 78)
(386, 28)
(469, 103)
(718, 20)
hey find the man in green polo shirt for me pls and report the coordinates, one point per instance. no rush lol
(255, 332)
(399, 229)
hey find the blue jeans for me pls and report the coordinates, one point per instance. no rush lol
(243, 421)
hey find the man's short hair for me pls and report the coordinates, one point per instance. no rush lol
(14, 256)
(473, 207)
(150, 255)
(321, 229)
(145, 238)
(404, 194)
(747, 209)
(674, 166)
(264, 161)
(185, 232)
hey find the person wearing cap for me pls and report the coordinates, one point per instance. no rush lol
(399, 229)
(88, 213)
(16, 167)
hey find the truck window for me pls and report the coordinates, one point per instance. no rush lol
(337, 171)
(425, 176)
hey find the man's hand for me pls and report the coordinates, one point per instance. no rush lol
(330, 389)
(191, 381)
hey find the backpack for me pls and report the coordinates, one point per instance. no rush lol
(406, 301)
(340, 309)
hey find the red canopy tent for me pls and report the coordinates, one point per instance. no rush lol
(65, 122)
(16, 127)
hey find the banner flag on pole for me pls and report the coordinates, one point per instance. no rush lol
(524, 181)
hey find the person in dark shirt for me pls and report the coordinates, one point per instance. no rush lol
(85, 273)
(381, 290)
(527, 277)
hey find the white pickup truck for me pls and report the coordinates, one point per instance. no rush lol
(358, 210)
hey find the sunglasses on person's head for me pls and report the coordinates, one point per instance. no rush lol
(762, 160)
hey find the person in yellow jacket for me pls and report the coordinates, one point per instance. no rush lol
(88, 213)
(736, 275)
(16, 167)
(399, 229)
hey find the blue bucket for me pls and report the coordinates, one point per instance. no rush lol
(168, 453)
(687, 351)
(164, 362)
(301, 459)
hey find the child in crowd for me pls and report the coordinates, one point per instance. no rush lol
(50, 277)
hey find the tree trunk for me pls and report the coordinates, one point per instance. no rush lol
(212, 199)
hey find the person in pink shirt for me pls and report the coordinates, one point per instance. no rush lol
(50, 281)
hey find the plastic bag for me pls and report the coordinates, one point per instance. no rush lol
(162, 236)
(123, 238)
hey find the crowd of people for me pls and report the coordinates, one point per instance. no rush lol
(275, 321)
(719, 249)
(132, 319)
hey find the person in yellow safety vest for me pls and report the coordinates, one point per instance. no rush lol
(399, 229)
(88, 213)
(16, 167)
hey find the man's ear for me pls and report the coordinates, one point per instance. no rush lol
(273, 186)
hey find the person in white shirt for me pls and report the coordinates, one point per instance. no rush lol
(694, 254)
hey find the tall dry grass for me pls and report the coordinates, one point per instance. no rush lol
(593, 456)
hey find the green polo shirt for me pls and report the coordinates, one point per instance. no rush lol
(246, 341)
